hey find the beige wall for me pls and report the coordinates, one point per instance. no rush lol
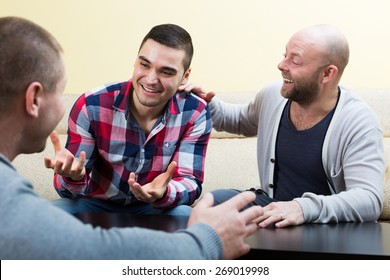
(238, 43)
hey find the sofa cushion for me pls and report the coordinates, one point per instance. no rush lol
(231, 163)
(33, 168)
(379, 101)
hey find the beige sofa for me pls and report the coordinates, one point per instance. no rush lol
(231, 159)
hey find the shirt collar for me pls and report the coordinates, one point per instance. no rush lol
(122, 101)
(6, 161)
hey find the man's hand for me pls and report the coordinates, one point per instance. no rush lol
(198, 90)
(282, 214)
(226, 219)
(154, 190)
(64, 162)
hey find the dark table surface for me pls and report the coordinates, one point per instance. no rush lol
(309, 241)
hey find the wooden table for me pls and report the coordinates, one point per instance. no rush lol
(308, 241)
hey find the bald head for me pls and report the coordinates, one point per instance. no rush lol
(329, 41)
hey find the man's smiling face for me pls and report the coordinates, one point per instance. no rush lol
(158, 72)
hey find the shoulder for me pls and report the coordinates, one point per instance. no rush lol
(11, 180)
(355, 116)
(110, 90)
(352, 105)
(190, 101)
(105, 95)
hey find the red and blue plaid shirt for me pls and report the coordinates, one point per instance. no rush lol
(101, 124)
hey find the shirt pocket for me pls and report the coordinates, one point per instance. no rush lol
(163, 155)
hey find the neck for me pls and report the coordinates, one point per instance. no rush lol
(9, 140)
(305, 116)
(145, 116)
(322, 104)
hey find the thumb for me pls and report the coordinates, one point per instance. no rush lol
(171, 168)
(209, 96)
(207, 201)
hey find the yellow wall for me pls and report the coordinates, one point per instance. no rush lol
(238, 43)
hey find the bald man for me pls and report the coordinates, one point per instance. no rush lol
(320, 150)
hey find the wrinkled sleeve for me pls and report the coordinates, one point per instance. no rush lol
(236, 118)
(80, 138)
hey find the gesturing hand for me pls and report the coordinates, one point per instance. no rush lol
(64, 162)
(154, 190)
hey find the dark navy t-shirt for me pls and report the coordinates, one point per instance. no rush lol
(298, 165)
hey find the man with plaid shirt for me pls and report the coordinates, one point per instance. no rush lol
(137, 146)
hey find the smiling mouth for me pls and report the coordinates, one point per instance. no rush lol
(151, 90)
(288, 81)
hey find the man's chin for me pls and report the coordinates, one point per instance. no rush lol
(285, 92)
(35, 149)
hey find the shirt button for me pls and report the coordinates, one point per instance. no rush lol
(143, 151)
(271, 186)
(272, 160)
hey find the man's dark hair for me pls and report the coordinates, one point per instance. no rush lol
(175, 37)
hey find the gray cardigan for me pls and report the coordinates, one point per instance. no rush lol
(31, 228)
(352, 155)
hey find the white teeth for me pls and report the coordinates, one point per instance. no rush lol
(150, 90)
(287, 80)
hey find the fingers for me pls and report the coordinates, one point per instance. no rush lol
(48, 163)
(139, 193)
(239, 201)
(188, 87)
(79, 168)
(252, 213)
(55, 140)
(131, 180)
(66, 167)
(273, 219)
(198, 90)
(209, 96)
(207, 201)
(282, 214)
(137, 190)
(250, 229)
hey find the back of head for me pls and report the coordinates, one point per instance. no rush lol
(28, 53)
(336, 48)
(172, 36)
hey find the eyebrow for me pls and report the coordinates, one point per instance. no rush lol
(166, 68)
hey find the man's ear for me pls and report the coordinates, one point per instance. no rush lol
(330, 73)
(34, 93)
(186, 76)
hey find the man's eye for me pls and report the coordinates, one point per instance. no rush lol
(167, 73)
